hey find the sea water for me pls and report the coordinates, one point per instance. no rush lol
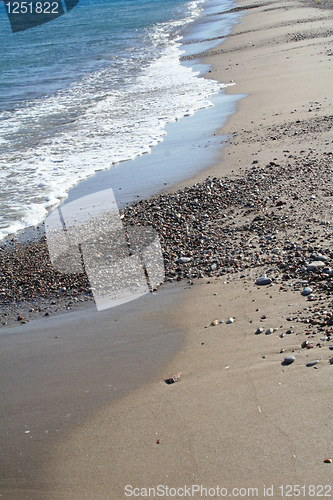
(94, 88)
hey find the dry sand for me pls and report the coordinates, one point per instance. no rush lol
(238, 418)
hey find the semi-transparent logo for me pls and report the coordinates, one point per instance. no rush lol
(87, 235)
(26, 15)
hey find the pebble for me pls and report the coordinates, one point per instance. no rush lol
(230, 320)
(319, 257)
(173, 379)
(269, 331)
(215, 322)
(289, 359)
(260, 330)
(307, 290)
(312, 363)
(184, 260)
(263, 280)
(317, 264)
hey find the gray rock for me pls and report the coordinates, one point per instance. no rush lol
(289, 359)
(263, 280)
(312, 363)
(307, 290)
(318, 256)
(316, 264)
(184, 260)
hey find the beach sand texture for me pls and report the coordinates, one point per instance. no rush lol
(238, 417)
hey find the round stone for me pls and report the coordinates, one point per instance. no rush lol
(307, 290)
(289, 359)
(263, 280)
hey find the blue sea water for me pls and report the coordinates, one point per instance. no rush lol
(93, 88)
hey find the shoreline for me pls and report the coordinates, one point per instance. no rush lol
(231, 377)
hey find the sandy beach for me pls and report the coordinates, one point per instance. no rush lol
(240, 421)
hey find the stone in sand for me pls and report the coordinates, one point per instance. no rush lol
(269, 331)
(215, 322)
(173, 379)
(230, 320)
(312, 363)
(307, 290)
(263, 280)
(289, 359)
(260, 330)
(184, 260)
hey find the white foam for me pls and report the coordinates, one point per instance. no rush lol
(110, 126)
